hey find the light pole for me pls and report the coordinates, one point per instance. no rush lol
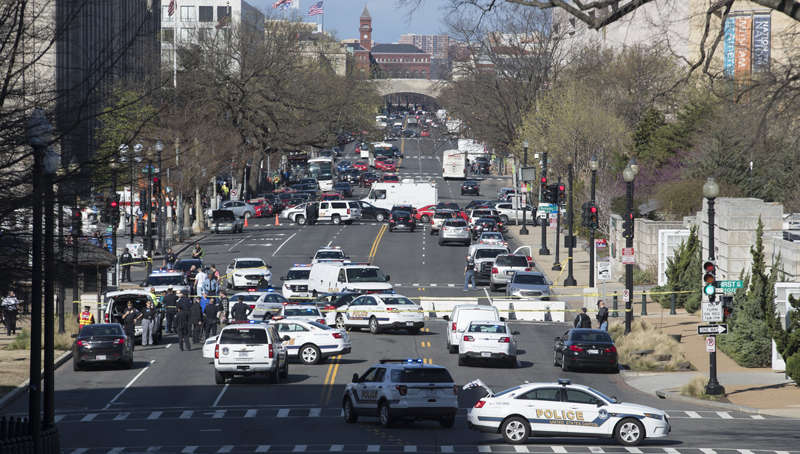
(39, 134)
(524, 229)
(73, 169)
(629, 174)
(52, 161)
(160, 218)
(711, 191)
(593, 165)
(557, 259)
(114, 165)
(147, 233)
(570, 280)
(543, 250)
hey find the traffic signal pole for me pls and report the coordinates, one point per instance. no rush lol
(542, 195)
(713, 388)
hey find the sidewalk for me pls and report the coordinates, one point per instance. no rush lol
(752, 390)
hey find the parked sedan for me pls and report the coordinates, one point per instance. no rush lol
(343, 188)
(102, 343)
(370, 211)
(240, 209)
(425, 213)
(528, 284)
(470, 187)
(582, 347)
(402, 220)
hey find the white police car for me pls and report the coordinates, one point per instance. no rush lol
(307, 312)
(330, 254)
(295, 283)
(262, 302)
(402, 390)
(563, 409)
(312, 342)
(379, 312)
(248, 348)
(162, 280)
(245, 272)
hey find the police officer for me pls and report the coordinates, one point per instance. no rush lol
(240, 311)
(170, 303)
(125, 260)
(85, 318)
(184, 303)
(169, 259)
(211, 313)
(148, 323)
(196, 320)
(182, 327)
(469, 273)
(129, 319)
(10, 312)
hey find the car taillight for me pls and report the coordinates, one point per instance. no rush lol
(119, 341)
(337, 335)
(454, 327)
(321, 321)
(329, 308)
(391, 309)
(216, 351)
(270, 351)
(527, 269)
(575, 348)
(106, 318)
(610, 350)
(504, 340)
(348, 211)
(81, 343)
(494, 270)
(252, 306)
(469, 338)
(403, 389)
(391, 221)
(455, 390)
(480, 404)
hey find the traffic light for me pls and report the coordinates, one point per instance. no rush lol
(727, 306)
(562, 194)
(114, 212)
(627, 227)
(593, 217)
(77, 223)
(585, 214)
(543, 190)
(552, 193)
(143, 200)
(710, 279)
(156, 185)
(105, 210)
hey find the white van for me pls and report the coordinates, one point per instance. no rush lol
(335, 277)
(408, 192)
(461, 316)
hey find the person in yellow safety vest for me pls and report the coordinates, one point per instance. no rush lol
(85, 318)
(156, 298)
(225, 191)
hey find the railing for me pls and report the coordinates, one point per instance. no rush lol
(15, 438)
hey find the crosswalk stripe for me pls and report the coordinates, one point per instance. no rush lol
(79, 451)
(558, 449)
(300, 448)
(692, 414)
(521, 449)
(58, 418)
(154, 449)
(263, 448)
(374, 448)
(314, 413)
(186, 415)
(724, 415)
(120, 417)
(414, 448)
(634, 450)
(251, 414)
(756, 416)
(155, 415)
(484, 449)
(670, 451)
(707, 451)
(596, 450)
(219, 414)
(228, 448)
(116, 450)
(189, 449)
(283, 412)
(447, 449)
(745, 451)
(89, 417)
(337, 448)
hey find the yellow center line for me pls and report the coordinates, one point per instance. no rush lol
(377, 241)
(333, 378)
(325, 383)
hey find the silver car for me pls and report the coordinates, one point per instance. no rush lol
(240, 209)
(492, 238)
(528, 284)
(505, 265)
(438, 219)
(455, 230)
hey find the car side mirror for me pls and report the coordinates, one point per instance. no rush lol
(269, 266)
(355, 378)
(446, 318)
(283, 278)
(502, 319)
(74, 336)
(516, 333)
(600, 403)
(388, 278)
(347, 257)
(141, 285)
(286, 338)
(557, 339)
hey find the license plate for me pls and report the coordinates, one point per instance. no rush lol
(242, 353)
(431, 394)
(409, 323)
(486, 354)
(509, 273)
(302, 294)
(100, 357)
(593, 352)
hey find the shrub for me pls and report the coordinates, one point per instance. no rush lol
(696, 387)
(644, 277)
(793, 367)
(645, 337)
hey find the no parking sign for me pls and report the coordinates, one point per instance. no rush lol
(711, 344)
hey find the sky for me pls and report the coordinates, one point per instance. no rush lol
(388, 22)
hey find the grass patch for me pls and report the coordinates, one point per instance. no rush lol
(61, 342)
(696, 388)
(21, 342)
(645, 337)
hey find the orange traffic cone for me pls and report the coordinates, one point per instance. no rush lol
(276, 219)
(245, 222)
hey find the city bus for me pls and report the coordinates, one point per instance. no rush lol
(380, 149)
(322, 170)
(454, 164)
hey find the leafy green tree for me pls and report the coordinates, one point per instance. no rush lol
(787, 341)
(683, 275)
(646, 128)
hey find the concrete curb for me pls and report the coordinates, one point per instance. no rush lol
(190, 242)
(9, 398)
(673, 396)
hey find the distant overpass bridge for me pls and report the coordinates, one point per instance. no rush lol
(425, 87)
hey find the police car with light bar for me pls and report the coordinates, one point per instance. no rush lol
(295, 283)
(563, 409)
(402, 390)
(262, 302)
(330, 254)
(381, 312)
(162, 280)
(307, 312)
(312, 342)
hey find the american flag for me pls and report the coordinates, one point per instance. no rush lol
(280, 2)
(315, 9)
(171, 9)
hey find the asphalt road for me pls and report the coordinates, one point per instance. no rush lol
(168, 401)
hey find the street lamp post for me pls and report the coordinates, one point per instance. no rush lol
(543, 250)
(52, 161)
(73, 169)
(147, 233)
(629, 174)
(711, 191)
(114, 166)
(570, 280)
(524, 229)
(160, 198)
(593, 165)
(557, 258)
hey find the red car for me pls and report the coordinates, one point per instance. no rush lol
(425, 213)
(263, 208)
(390, 178)
(386, 165)
(367, 178)
(361, 165)
(331, 196)
(379, 159)
(425, 133)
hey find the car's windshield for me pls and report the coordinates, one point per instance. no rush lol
(101, 330)
(529, 279)
(330, 255)
(250, 264)
(300, 312)
(394, 301)
(365, 275)
(319, 326)
(485, 328)
(491, 236)
(488, 253)
(608, 399)
(297, 274)
(518, 261)
(173, 279)
(456, 223)
(591, 336)
(248, 297)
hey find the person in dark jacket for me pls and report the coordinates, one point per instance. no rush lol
(184, 303)
(182, 327)
(196, 320)
(170, 304)
(211, 312)
(125, 260)
(129, 319)
(262, 283)
(602, 315)
(240, 311)
(583, 320)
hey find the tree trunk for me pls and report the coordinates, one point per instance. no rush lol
(198, 205)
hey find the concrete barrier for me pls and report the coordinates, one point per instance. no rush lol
(435, 307)
(530, 310)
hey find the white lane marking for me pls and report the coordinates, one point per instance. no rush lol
(263, 448)
(219, 414)
(337, 448)
(186, 415)
(155, 415)
(596, 450)
(279, 247)
(89, 417)
(451, 285)
(129, 384)
(329, 243)
(671, 451)
(558, 449)
(447, 449)
(168, 346)
(300, 448)
(374, 448)
(314, 412)
(724, 415)
(121, 416)
(116, 450)
(707, 451)
(487, 294)
(224, 388)
(228, 448)
(154, 449)
(745, 451)
(189, 449)
(756, 416)
(484, 449)
(634, 450)
(693, 414)
(59, 418)
(414, 448)
(283, 412)
(521, 449)
(239, 242)
(80, 451)
(251, 414)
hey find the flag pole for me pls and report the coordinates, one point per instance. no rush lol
(175, 49)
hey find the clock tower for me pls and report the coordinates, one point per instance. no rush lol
(365, 30)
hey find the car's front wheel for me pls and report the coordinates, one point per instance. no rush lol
(629, 432)
(336, 220)
(340, 322)
(424, 218)
(247, 215)
(374, 327)
(300, 220)
(380, 217)
(310, 354)
(515, 430)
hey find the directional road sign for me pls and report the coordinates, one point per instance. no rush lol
(547, 208)
(712, 330)
(712, 312)
(729, 286)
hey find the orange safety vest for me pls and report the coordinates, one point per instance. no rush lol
(86, 318)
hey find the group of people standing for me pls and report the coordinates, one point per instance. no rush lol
(197, 319)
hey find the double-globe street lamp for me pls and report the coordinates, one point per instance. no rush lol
(160, 197)
(570, 280)
(629, 175)
(114, 165)
(524, 229)
(711, 191)
(593, 166)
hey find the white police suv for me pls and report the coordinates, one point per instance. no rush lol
(330, 254)
(402, 390)
(563, 409)
(379, 312)
(295, 283)
(249, 348)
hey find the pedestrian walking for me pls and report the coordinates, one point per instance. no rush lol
(129, 319)
(211, 313)
(10, 312)
(196, 320)
(469, 273)
(182, 327)
(125, 260)
(583, 320)
(602, 315)
(170, 304)
(85, 318)
(240, 311)
(149, 315)
(200, 281)
(169, 259)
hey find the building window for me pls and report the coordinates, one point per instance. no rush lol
(205, 34)
(187, 35)
(165, 17)
(406, 74)
(188, 14)
(206, 13)
(168, 35)
(416, 74)
(222, 11)
(424, 74)
(166, 57)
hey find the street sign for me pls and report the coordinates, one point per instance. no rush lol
(712, 330)
(626, 295)
(553, 222)
(729, 286)
(712, 312)
(711, 344)
(603, 271)
(627, 256)
(601, 243)
(234, 193)
(547, 208)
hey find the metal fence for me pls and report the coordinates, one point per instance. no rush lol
(15, 438)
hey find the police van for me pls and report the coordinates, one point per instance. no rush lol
(335, 277)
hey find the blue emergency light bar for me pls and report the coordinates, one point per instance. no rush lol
(301, 265)
(564, 381)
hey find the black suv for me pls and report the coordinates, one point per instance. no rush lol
(483, 225)
(470, 187)
(402, 220)
(407, 208)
